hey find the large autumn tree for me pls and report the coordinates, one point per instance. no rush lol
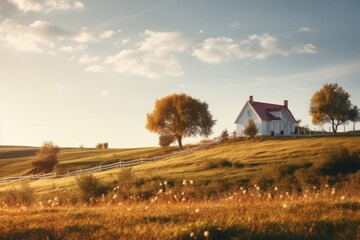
(331, 104)
(180, 115)
(46, 158)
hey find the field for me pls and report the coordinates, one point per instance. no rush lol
(271, 188)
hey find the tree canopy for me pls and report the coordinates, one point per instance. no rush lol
(180, 115)
(331, 104)
(251, 129)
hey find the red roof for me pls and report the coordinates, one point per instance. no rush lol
(264, 109)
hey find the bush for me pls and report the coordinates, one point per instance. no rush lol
(99, 146)
(224, 135)
(338, 160)
(166, 140)
(251, 129)
(90, 187)
(23, 195)
(46, 158)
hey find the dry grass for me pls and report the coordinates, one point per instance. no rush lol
(250, 214)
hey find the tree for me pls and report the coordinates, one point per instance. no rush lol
(46, 158)
(105, 145)
(330, 104)
(251, 129)
(166, 140)
(180, 115)
(354, 115)
(99, 146)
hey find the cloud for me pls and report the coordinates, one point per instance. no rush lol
(154, 56)
(235, 24)
(95, 69)
(304, 29)
(72, 48)
(201, 31)
(222, 49)
(88, 59)
(46, 5)
(307, 48)
(84, 36)
(34, 37)
(72, 58)
(106, 34)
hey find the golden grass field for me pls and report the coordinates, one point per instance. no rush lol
(175, 210)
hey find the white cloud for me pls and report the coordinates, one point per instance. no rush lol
(222, 49)
(154, 57)
(46, 5)
(95, 69)
(307, 48)
(88, 59)
(106, 34)
(304, 29)
(84, 36)
(201, 31)
(34, 37)
(235, 24)
(72, 48)
(164, 42)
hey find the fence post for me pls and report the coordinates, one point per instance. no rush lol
(100, 167)
(44, 175)
(120, 163)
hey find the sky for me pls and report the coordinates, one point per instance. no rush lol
(80, 72)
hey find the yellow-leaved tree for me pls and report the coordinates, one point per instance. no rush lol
(331, 104)
(180, 115)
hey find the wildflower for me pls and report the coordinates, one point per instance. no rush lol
(326, 185)
(147, 207)
(192, 234)
(257, 188)
(160, 191)
(333, 191)
(23, 208)
(165, 183)
(191, 182)
(183, 199)
(284, 205)
(184, 182)
(182, 194)
(244, 191)
(342, 197)
(115, 196)
(160, 184)
(275, 188)
(206, 234)
(118, 187)
(281, 196)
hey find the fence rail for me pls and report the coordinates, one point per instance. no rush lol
(123, 163)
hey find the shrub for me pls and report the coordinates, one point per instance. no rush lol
(251, 129)
(338, 160)
(224, 135)
(90, 187)
(99, 146)
(46, 158)
(23, 195)
(166, 140)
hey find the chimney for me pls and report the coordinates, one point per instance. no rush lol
(286, 103)
(251, 99)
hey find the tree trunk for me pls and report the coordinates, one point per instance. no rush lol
(179, 139)
(334, 127)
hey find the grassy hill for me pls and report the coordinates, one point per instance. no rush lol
(233, 160)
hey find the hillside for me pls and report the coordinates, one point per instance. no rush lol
(234, 160)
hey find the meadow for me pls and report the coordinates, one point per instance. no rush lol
(262, 188)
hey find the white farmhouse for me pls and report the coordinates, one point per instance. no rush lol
(269, 118)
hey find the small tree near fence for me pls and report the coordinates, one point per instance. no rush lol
(251, 129)
(46, 158)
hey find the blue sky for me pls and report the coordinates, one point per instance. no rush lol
(86, 71)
